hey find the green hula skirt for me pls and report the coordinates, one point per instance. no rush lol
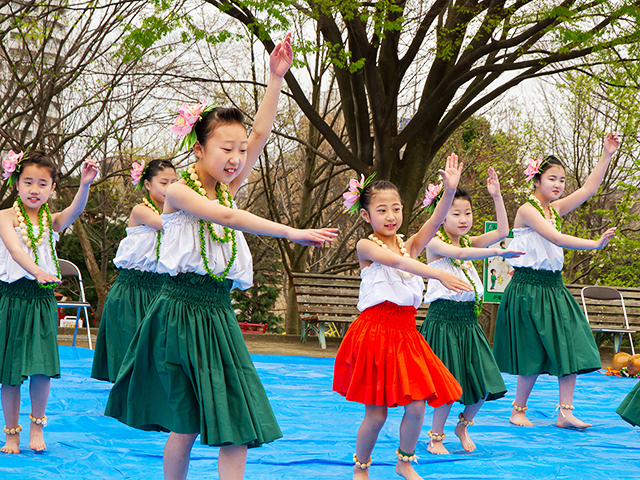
(452, 331)
(541, 328)
(629, 409)
(28, 332)
(188, 369)
(127, 304)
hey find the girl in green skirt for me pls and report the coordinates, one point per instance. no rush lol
(28, 272)
(540, 327)
(137, 283)
(629, 409)
(187, 370)
(451, 327)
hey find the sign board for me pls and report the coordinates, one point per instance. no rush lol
(497, 271)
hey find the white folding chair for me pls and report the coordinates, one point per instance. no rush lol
(610, 294)
(70, 270)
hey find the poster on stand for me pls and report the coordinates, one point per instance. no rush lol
(497, 271)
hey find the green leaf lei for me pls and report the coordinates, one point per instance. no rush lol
(151, 204)
(536, 203)
(229, 235)
(465, 241)
(32, 241)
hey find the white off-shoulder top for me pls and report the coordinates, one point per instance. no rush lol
(381, 283)
(541, 254)
(10, 270)
(137, 251)
(437, 291)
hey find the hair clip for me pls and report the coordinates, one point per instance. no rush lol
(352, 197)
(533, 168)
(187, 118)
(432, 196)
(137, 172)
(12, 167)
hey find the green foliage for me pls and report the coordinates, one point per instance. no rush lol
(256, 304)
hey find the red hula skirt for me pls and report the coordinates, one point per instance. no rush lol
(383, 360)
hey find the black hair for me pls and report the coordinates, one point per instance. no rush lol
(155, 167)
(547, 163)
(216, 117)
(492, 270)
(463, 195)
(40, 159)
(373, 188)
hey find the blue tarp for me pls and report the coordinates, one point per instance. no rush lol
(320, 428)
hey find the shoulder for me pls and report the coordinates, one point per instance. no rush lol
(8, 216)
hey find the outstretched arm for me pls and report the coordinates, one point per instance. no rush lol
(62, 220)
(451, 178)
(280, 61)
(181, 197)
(438, 248)
(489, 238)
(531, 217)
(590, 187)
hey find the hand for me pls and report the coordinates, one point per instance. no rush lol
(611, 143)
(451, 173)
(509, 253)
(281, 57)
(313, 237)
(493, 185)
(45, 278)
(604, 239)
(453, 282)
(89, 172)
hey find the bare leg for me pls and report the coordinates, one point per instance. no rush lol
(176, 455)
(525, 385)
(409, 432)
(440, 415)
(566, 419)
(461, 431)
(39, 386)
(232, 462)
(374, 418)
(11, 410)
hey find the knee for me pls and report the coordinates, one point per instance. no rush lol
(415, 409)
(376, 418)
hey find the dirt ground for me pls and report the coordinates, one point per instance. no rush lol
(268, 344)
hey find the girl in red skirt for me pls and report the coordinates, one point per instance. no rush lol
(383, 360)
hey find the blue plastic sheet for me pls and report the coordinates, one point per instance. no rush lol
(320, 429)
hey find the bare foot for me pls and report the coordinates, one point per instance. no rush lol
(12, 445)
(520, 419)
(569, 421)
(463, 434)
(36, 442)
(360, 474)
(405, 470)
(437, 448)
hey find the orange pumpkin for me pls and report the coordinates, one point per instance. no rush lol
(620, 360)
(633, 365)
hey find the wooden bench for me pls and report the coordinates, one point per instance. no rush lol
(324, 299)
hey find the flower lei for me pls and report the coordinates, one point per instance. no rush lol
(137, 172)
(432, 196)
(555, 218)
(187, 118)
(26, 230)
(402, 248)
(150, 203)
(352, 197)
(224, 197)
(11, 167)
(465, 266)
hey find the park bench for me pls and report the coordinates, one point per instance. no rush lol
(325, 299)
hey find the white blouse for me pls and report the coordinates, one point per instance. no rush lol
(180, 250)
(137, 251)
(381, 283)
(10, 271)
(541, 254)
(437, 291)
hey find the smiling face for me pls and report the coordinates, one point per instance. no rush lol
(225, 153)
(158, 184)
(551, 184)
(459, 219)
(35, 185)
(384, 212)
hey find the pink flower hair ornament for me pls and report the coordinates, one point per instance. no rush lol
(352, 197)
(137, 172)
(533, 168)
(11, 167)
(188, 116)
(432, 196)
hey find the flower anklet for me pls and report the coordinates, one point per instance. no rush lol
(406, 457)
(361, 465)
(39, 421)
(518, 408)
(12, 431)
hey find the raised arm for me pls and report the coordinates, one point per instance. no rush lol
(280, 61)
(590, 187)
(62, 220)
(451, 178)
(531, 217)
(489, 238)
(181, 197)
